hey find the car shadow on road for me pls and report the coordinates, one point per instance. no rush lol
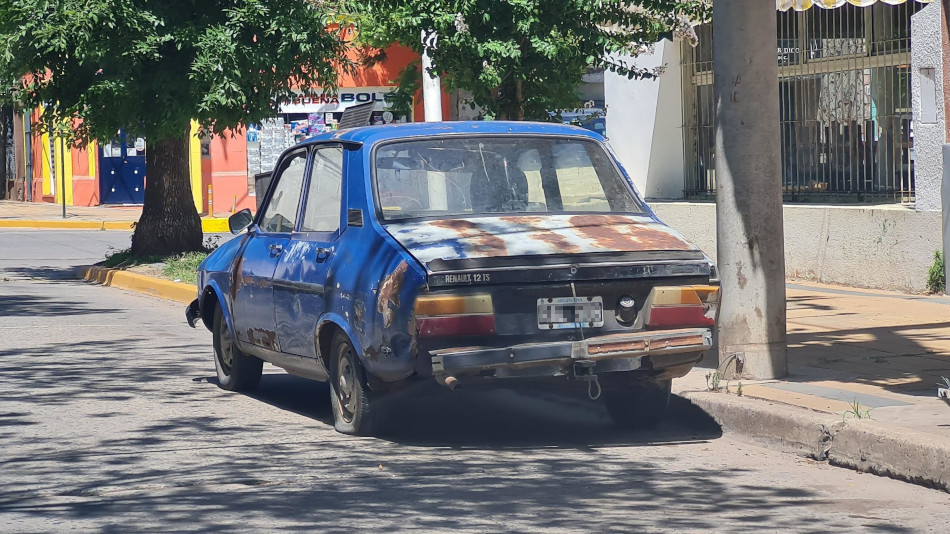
(51, 274)
(495, 419)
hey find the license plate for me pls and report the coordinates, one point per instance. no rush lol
(570, 312)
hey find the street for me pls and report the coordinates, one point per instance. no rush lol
(111, 421)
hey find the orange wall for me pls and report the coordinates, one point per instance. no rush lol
(398, 57)
(226, 172)
(85, 179)
(226, 168)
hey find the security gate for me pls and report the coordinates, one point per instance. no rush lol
(122, 171)
(844, 100)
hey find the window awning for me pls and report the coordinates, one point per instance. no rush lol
(802, 5)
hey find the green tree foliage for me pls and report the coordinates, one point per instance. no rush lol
(523, 58)
(151, 66)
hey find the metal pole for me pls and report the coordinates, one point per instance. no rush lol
(431, 84)
(28, 156)
(62, 174)
(751, 248)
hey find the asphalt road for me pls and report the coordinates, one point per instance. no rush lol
(110, 421)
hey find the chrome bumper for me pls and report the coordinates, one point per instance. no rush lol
(603, 354)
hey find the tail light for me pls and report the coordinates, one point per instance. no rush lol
(682, 306)
(455, 315)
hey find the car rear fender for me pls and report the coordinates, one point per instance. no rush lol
(327, 324)
(210, 297)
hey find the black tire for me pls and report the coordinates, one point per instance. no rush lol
(354, 405)
(639, 404)
(236, 371)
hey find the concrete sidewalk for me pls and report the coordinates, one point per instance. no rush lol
(15, 214)
(878, 353)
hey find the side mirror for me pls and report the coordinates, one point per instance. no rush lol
(240, 220)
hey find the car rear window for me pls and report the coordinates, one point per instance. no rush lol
(498, 174)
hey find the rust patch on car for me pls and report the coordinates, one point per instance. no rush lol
(481, 242)
(560, 243)
(389, 290)
(523, 219)
(263, 337)
(236, 279)
(372, 353)
(617, 232)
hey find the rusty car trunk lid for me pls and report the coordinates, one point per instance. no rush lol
(444, 242)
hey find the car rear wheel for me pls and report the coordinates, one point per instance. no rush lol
(638, 404)
(354, 405)
(236, 371)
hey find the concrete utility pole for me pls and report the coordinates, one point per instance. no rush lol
(751, 242)
(431, 84)
(945, 186)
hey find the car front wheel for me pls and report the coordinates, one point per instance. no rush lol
(638, 404)
(236, 371)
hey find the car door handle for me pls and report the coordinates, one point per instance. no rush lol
(323, 253)
(275, 250)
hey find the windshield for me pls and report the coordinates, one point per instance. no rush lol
(498, 174)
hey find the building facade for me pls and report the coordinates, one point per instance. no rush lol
(222, 167)
(862, 123)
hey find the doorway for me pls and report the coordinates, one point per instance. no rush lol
(122, 170)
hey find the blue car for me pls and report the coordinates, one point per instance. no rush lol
(413, 257)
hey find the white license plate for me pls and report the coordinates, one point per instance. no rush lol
(570, 312)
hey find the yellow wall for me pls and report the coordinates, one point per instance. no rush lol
(194, 163)
(63, 166)
(44, 163)
(92, 151)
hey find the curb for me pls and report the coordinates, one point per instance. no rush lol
(68, 225)
(208, 225)
(176, 291)
(862, 445)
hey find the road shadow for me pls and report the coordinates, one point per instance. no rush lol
(38, 306)
(40, 273)
(493, 419)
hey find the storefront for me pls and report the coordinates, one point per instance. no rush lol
(222, 167)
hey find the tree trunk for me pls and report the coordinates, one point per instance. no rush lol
(170, 223)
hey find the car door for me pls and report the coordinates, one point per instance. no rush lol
(301, 275)
(253, 300)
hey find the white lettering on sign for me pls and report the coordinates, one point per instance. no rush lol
(467, 278)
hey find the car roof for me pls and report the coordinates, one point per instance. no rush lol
(369, 135)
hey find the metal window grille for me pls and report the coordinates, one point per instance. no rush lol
(845, 108)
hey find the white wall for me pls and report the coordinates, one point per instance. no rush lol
(929, 137)
(883, 247)
(644, 123)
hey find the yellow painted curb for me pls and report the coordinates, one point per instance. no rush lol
(68, 225)
(209, 225)
(177, 291)
(214, 225)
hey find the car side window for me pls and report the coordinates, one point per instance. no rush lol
(324, 198)
(281, 213)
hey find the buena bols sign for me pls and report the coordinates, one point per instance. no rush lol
(317, 101)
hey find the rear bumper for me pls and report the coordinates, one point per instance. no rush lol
(603, 354)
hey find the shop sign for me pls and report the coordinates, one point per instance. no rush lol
(319, 102)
